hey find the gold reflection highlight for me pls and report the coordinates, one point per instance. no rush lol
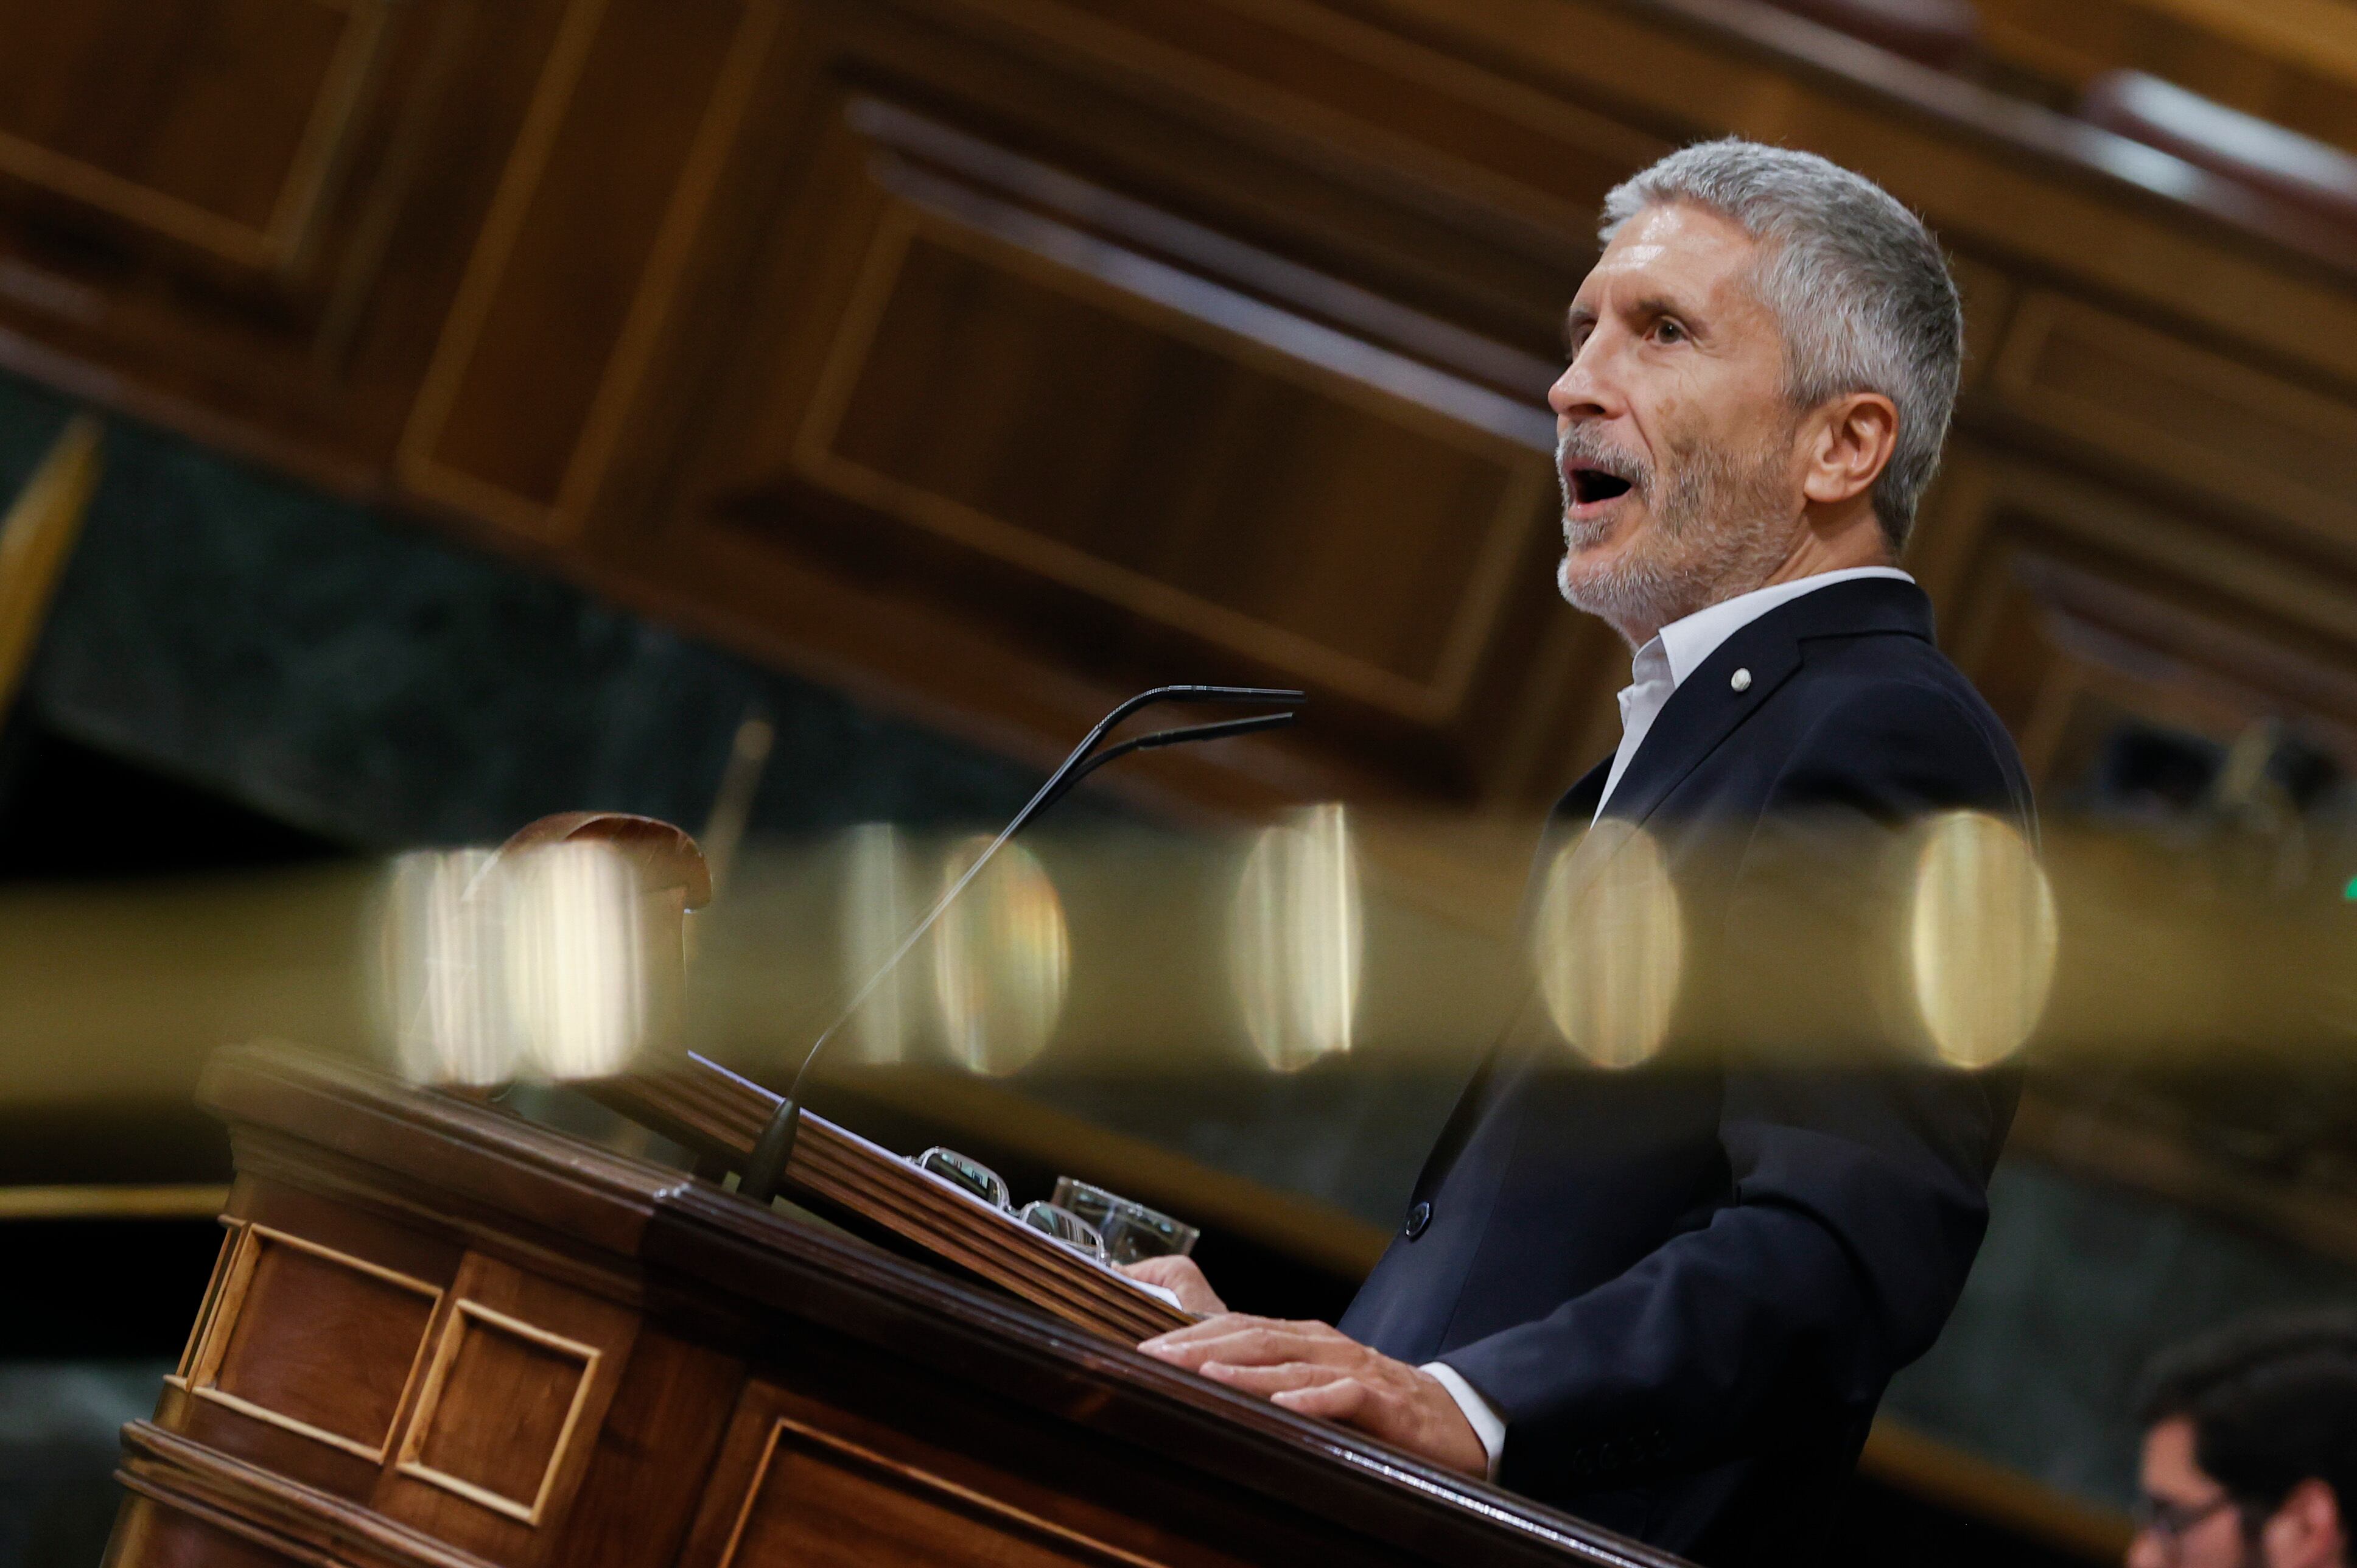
(1609, 943)
(1982, 938)
(1297, 937)
(442, 1005)
(539, 963)
(577, 965)
(879, 905)
(1002, 959)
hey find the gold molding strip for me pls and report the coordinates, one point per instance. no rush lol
(198, 1200)
(37, 537)
(1901, 1457)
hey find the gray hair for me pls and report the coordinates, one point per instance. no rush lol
(1855, 279)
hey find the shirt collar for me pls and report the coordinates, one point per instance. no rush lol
(1684, 644)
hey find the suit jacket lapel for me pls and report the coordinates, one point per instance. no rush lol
(1700, 714)
(1710, 703)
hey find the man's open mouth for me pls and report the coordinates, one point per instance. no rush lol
(1590, 486)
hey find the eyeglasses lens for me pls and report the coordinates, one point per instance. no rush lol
(967, 1176)
(1066, 1227)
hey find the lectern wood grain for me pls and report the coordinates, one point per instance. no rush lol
(710, 1108)
(443, 1337)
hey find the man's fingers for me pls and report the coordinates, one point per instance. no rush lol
(1344, 1399)
(1250, 1342)
(1182, 1278)
(1278, 1379)
(1226, 1323)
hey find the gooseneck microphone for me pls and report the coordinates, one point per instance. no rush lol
(775, 1148)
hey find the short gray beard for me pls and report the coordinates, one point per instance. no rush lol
(1718, 530)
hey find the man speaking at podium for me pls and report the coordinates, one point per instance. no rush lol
(1668, 1299)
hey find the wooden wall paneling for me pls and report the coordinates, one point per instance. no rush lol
(495, 1441)
(1336, 566)
(682, 300)
(1367, 108)
(571, 280)
(307, 355)
(2291, 61)
(1112, 490)
(789, 594)
(244, 112)
(2075, 602)
(1950, 522)
(2156, 405)
(2003, 178)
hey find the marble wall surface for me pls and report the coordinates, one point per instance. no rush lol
(362, 680)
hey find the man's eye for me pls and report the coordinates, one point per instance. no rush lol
(1666, 331)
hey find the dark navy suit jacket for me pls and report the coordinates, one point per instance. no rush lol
(1686, 1285)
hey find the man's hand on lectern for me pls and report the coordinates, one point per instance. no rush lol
(1313, 1369)
(1183, 1278)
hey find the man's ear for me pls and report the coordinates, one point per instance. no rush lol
(1849, 444)
(2307, 1530)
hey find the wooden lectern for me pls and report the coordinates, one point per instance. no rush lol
(440, 1337)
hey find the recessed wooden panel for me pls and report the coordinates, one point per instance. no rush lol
(508, 1411)
(579, 254)
(2163, 405)
(215, 122)
(500, 1401)
(313, 1341)
(819, 1499)
(1175, 451)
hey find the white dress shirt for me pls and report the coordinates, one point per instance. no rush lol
(1659, 669)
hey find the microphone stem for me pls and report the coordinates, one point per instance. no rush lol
(764, 1168)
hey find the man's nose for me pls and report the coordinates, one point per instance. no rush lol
(1583, 391)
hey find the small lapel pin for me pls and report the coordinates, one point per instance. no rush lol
(1741, 680)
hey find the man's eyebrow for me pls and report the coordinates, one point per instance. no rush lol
(1661, 304)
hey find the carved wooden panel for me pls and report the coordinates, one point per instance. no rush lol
(571, 277)
(537, 1382)
(313, 1341)
(803, 1483)
(509, 1408)
(1136, 438)
(1107, 439)
(2063, 593)
(819, 1498)
(2155, 404)
(220, 124)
